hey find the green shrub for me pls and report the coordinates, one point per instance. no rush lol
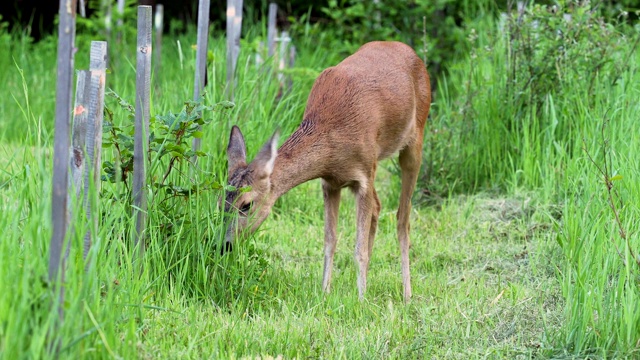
(507, 103)
(434, 29)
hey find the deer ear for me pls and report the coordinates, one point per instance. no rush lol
(266, 158)
(236, 151)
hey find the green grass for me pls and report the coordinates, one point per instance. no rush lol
(516, 258)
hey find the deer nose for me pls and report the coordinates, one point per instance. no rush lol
(229, 236)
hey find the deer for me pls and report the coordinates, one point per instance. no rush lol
(370, 106)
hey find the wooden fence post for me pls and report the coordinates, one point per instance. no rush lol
(106, 7)
(59, 193)
(141, 136)
(97, 68)
(259, 60)
(201, 57)
(234, 29)
(271, 29)
(159, 24)
(237, 28)
(290, 64)
(66, 38)
(120, 22)
(377, 16)
(78, 163)
(283, 57)
(83, 12)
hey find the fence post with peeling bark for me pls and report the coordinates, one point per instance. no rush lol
(141, 135)
(87, 141)
(93, 148)
(79, 141)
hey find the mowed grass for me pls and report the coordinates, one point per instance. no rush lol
(508, 270)
(483, 274)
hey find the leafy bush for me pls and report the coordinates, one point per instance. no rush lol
(507, 102)
(434, 28)
(170, 138)
(554, 47)
(182, 238)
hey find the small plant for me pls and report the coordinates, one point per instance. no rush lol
(613, 198)
(169, 152)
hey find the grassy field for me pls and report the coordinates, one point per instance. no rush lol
(516, 250)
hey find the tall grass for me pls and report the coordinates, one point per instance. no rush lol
(553, 132)
(600, 278)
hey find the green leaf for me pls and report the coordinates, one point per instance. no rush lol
(226, 104)
(197, 134)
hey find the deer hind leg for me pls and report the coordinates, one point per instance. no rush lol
(364, 211)
(374, 220)
(410, 159)
(331, 206)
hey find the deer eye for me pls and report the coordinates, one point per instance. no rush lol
(246, 207)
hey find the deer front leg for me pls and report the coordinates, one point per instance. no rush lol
(331, 206)
(364, 212)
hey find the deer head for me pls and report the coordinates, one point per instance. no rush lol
(251, 201)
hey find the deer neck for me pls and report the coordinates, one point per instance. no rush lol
(298, 161)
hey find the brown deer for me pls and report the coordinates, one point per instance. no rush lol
(373, 104)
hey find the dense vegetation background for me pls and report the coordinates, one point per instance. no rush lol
(525, 225)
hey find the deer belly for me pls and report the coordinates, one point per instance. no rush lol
(390, 140)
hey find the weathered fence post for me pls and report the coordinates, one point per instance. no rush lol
(234, 29)
(201, 57)
(141, 136)
(66, 37)
(283, 57)
(106, 7)
(83, 12)
(259, 54)
(231, 15)
(78, 163)
(120, 22)
(271, 29)
(159, 24)
(290, 64)
(377, 17)
(97, 68)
